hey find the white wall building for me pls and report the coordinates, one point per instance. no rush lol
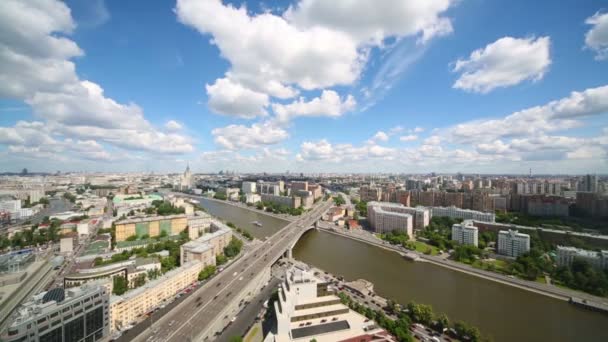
(465, 233)
(252, 198)
(465, 214)
(385, 217)
(248, 187)
(513, 244)
(567, 254)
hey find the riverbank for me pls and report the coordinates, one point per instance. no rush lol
(543, 289)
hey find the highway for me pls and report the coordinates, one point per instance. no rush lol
(194, 314)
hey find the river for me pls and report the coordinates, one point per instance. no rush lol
(244, 218)
(501, 312)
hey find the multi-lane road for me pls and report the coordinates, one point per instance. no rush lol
(194, 315)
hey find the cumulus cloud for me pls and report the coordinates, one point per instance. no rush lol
(278, 54)
(36, 67)
(328, 104)
(323, 150)
(596, 38)
(380, 136)
(503, 63)
(230, 98)
(235, 137)
(409, 137)
(173, 126)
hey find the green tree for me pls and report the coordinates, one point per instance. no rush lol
(140, 280)
(207, 272)
(233, 248)
(120, 285)
(442, 322)
(236, 339)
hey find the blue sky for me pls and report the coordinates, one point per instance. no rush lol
(307, 86)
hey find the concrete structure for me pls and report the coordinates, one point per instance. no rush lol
(79, 314)
(464, 214)
(248, 187)
(567, 254)
(151, 226)
(198, 224)
(292, 202)
(252, 198)
(369, 193)
(68, 243)
(308, 310)
(385, 217)
(126, 309)
(208, 246)
(465, 233)
(513, 244)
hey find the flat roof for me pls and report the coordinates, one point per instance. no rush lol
(319, 329)
(150, 219)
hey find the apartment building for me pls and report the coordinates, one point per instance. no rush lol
(465, 214)
(151, 226)
(465, 233)
(512, 243)
(369, 193)
(198, 224)
(307, 310)
(385, 217)
(567, 254)
(77, 314)
(126, 309)
(290, 201)
(248, 187)
(208, 246)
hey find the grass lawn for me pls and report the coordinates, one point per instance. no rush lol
(541, 280)
(422, 247)
(253, 334)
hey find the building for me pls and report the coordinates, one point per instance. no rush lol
(151, 226)
(465, 233)
(589, 184)
(296, 185)
(385, 217)
(548, 206)
(308, 310)
(403, 197)
(316, 190)
(129, 307)
(198, 224)
(78, 314)
(248, 187)
(130, 270)
(566, 255)
(252, 198)
(83, 227)
(186, 181)
(465, 214)
(35, 195)
(513, 244)
(592, 204)
(270, 188)
(208, 246)
(68, 243)
(289, 201)
(370, 193)
(307, 200)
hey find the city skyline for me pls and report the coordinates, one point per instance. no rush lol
(408, 87)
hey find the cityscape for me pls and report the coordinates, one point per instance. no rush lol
(307, 171)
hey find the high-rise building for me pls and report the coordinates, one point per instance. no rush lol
(297, 185)
(513, 244)
(369, 193)
(248, 187)
(308, 310)
(186, 181)
(75, 314)
(386, 217)
(465, 233)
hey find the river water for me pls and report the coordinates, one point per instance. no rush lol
(501, 312)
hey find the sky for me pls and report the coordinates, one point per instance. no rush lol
(404, 86)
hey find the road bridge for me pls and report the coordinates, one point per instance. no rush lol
(212, 307)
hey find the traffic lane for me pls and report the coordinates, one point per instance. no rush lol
(280, 242)
(247, 317)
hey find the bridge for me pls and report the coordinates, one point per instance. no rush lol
(205, 313)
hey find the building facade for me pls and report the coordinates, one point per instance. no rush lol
(151, 226)
(513, 244)
(208, 246)
(464, 214)
(385, 217)
(565, 255)
(465, 233)
(78, 314)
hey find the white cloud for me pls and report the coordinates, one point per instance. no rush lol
(277, 54)
(554, 116)
(409, 137)
(173, 126)
(494, 147)
(418, 129)
(432, 140)
(596, 38)
(503, 63)
(235, 137)
(230, 98)
(35, 67)
(380, 136)
(395, 130)
(328, 104)
(325, 151)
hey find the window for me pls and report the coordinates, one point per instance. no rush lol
(42, 320)
(54, 314)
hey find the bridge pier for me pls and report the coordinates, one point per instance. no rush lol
(288, 253)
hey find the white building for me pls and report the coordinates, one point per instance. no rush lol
(513, 244)
(83, 227)
(567, 254)
(308, 310)
(186, 181)
(66, 245)
(35, 195)
(385, 217)
(248, 187)
(252, 198)
(10, 205)
(465, 214)
(465, 233)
